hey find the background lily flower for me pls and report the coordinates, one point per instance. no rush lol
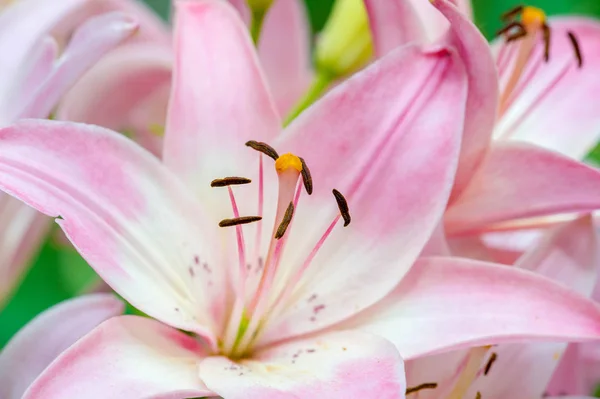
(34, 77)
(307, 308)
(37, 345)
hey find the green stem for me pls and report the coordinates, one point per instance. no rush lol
(320, 83)
(258, 17)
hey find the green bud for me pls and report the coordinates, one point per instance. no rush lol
(345, 44)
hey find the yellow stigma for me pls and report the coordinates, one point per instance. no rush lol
(287, 161)
(533, 16)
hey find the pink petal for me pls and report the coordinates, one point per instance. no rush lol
(125, 212)
(284, 51)
(394, 23)
(578, 372)
(33, 348)
(435, 23)
(22, 230)
(518, 181)
(431, 311)
(372, 138)
(125, 357)
(219, 99)
(339, 365)
(482, 100)
(556, 103)
(141, 74)
(569, 255)
(88, 44)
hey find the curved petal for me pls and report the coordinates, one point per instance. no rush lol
(555, 105)
(569, 255)
(435, 23)
(141, 75)
(22, 230)
(578, 372)
(431, 311)
(394, 23)
(33, 348)
(88, 44)
(127, 356)
(519, 181)
(284, 51)
(373, 139)
(126, 214)
(219, 98)
(482, 101)
(339, 365)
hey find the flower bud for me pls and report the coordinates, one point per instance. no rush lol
(345, 43)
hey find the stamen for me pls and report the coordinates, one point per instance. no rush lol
(516, 36)
(576, 48)
(229, 181)
(509, 27)
(546, 30)
(512, 13)
(264, 148)
(240, 220)
(287, 218)
(488, 366)
(343, 206)
(478, 396)
(306, 177)
(427, 385)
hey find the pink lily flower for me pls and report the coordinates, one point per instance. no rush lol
(34, 77)
(37, 344)
(309, 307)
(143, 71)
(505, 183)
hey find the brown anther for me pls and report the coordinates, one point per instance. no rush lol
(343, 206)
(546, 30)
(478, 396)
(229, 181)
(264, 148)
(512, 13)
(240, 220)
(510, 27)
(488, 366)
(576, 48)
(427, 385)
(287, 218)
(516, 35)
(306, 177)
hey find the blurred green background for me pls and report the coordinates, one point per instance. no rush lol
(59, 273)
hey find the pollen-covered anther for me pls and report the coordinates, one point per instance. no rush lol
(490, 362)
(306, 177)
(240, 220)
(229, 181)
(576, 48)
(263, 148)
(287, 218)
(427, 385)
(343, 206)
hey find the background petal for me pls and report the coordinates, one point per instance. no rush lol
(126, 356)
(33, 348)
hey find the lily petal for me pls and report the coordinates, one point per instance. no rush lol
(141, 74)
(22, 230)
(124, 211)
(284, 51)
(569, 255)
(219, 98)
(555, 104)
(482, 101)
(340, 365)
(430, 311)
(33, 348)
(394, 23)
(126, 356)
(88, 44)
(519, 181)
(379, 137)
